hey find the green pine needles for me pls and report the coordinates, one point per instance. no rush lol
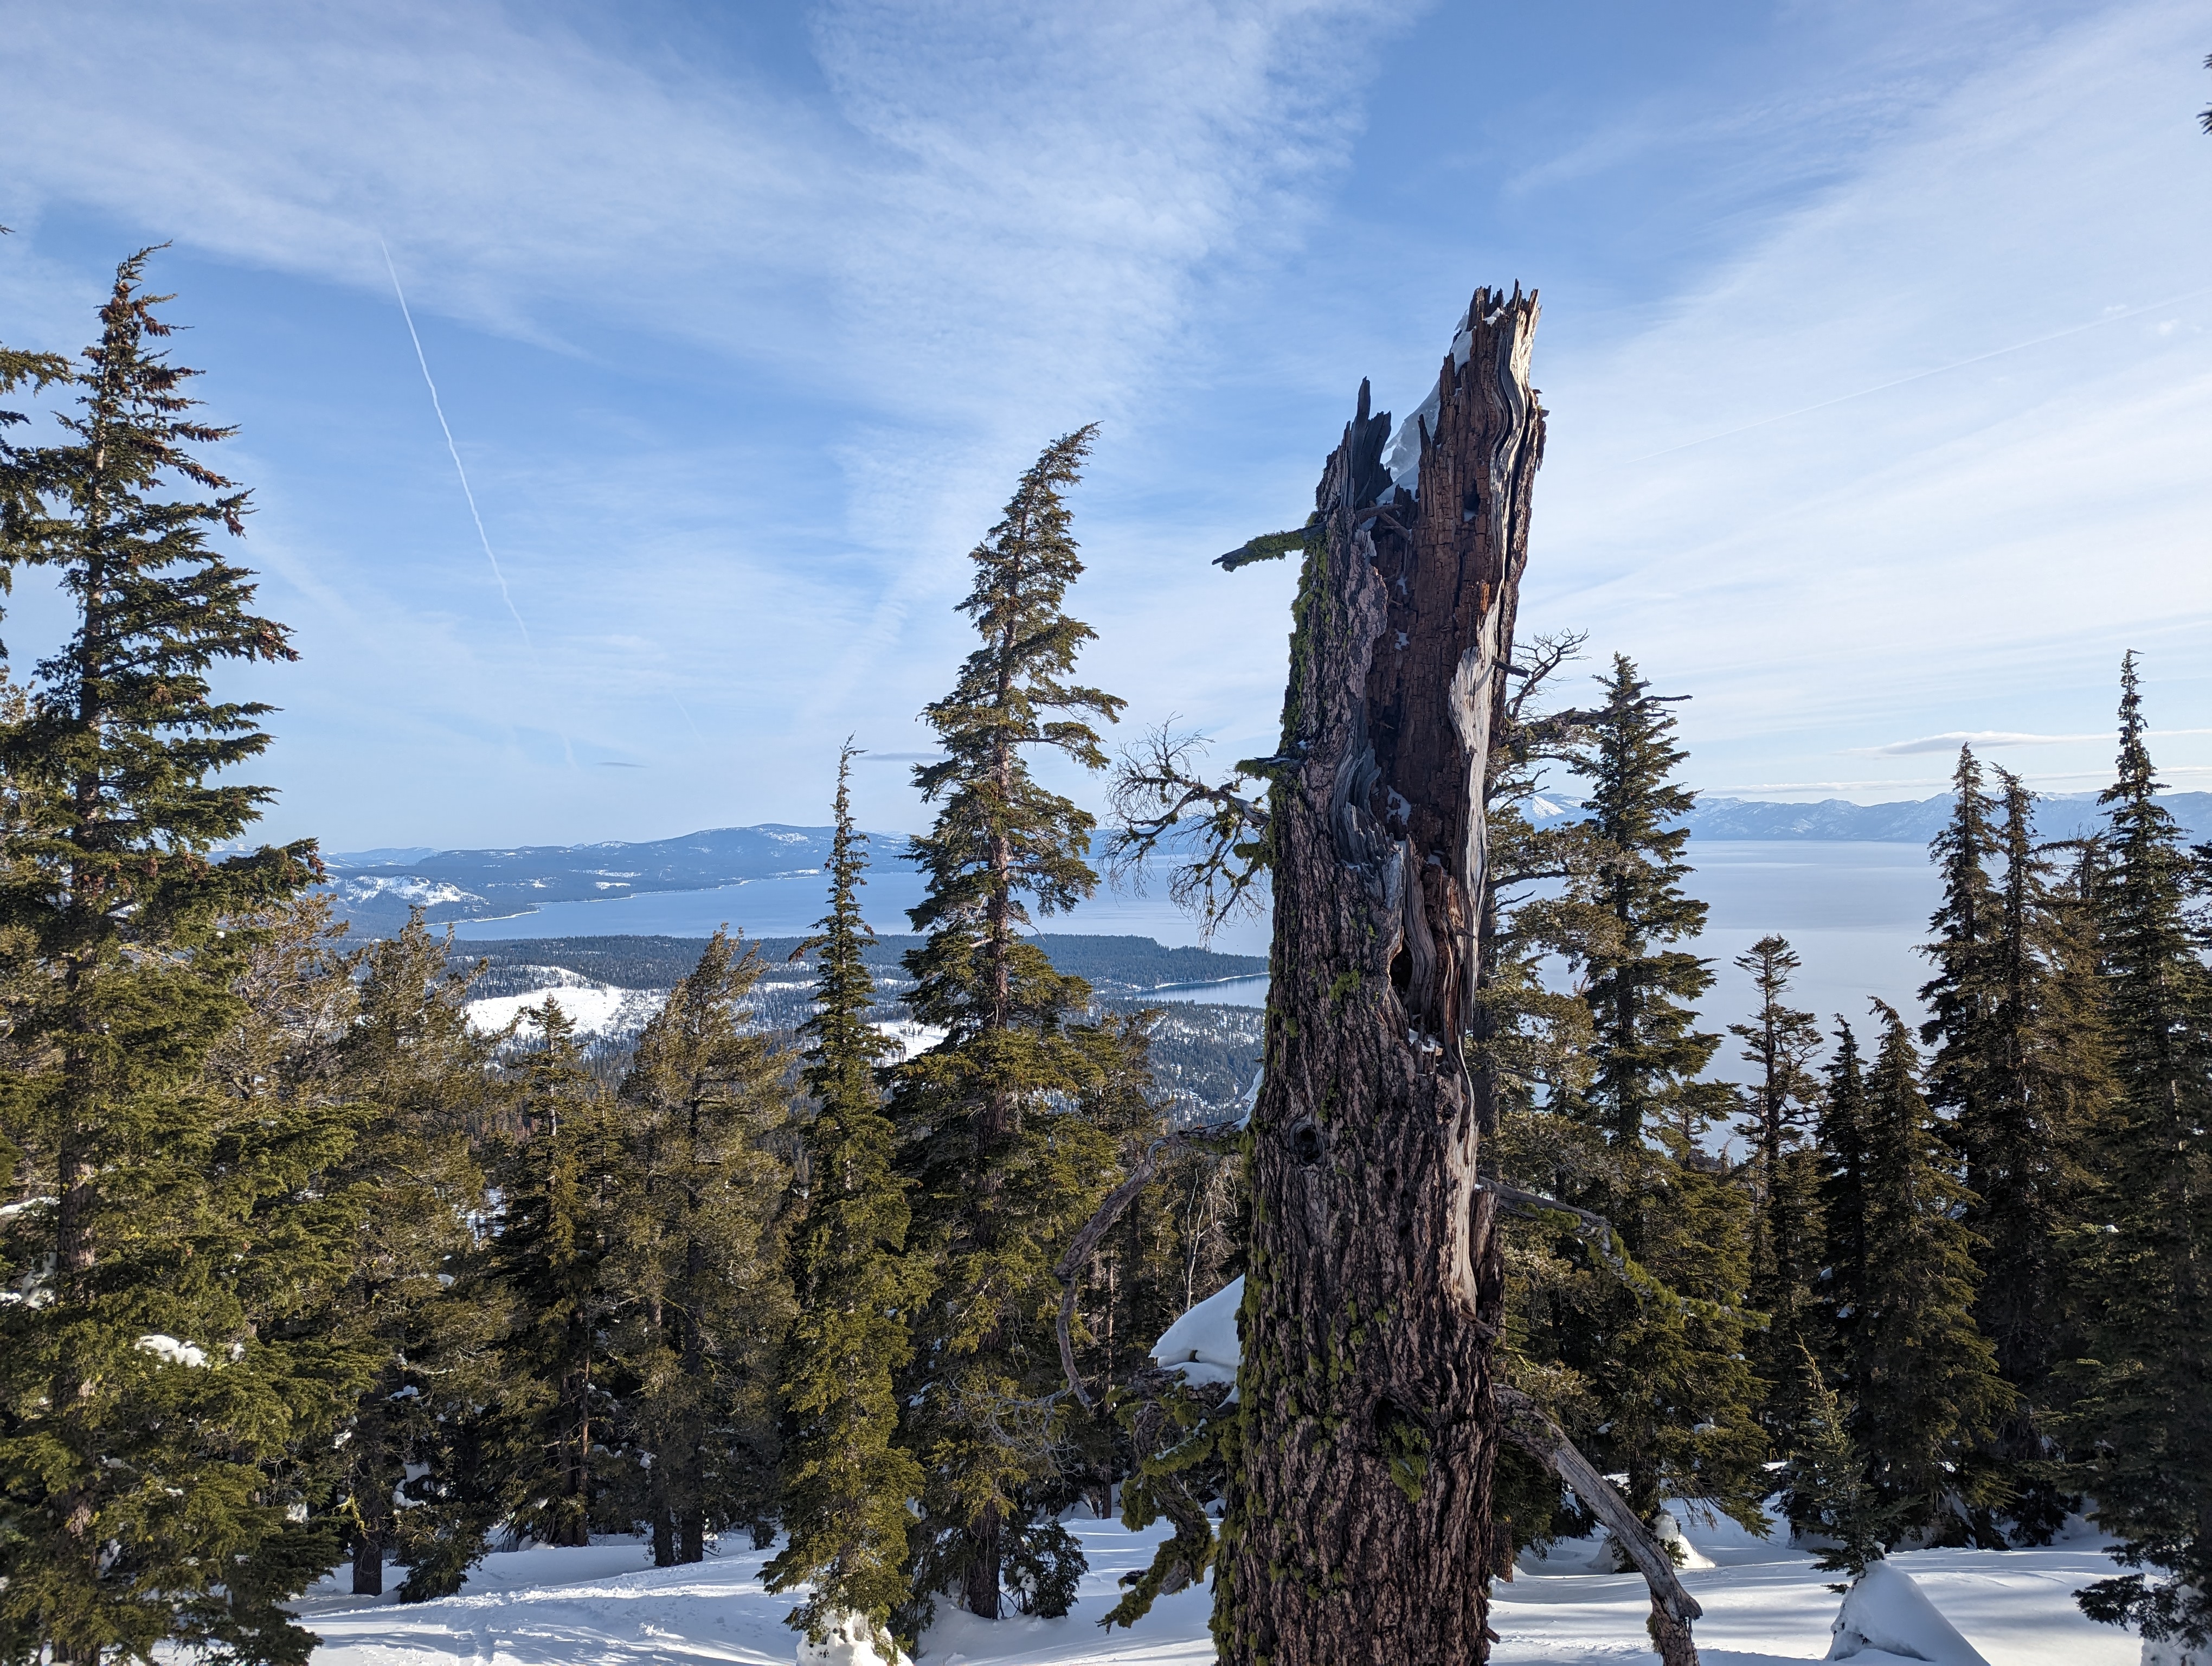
(2143, 1418)
(846, 1482)
(1003, 1165)
(154, 1190)
(1646, 1047)
(698, 1289)
(1924, 1378)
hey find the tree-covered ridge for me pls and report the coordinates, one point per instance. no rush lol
(1108, 963)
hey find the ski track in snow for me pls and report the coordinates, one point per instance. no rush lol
(1764, 1604)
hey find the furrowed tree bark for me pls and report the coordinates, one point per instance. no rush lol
(1358, 1528)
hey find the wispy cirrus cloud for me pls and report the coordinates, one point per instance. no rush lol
(1933, 437)
(1986, 739)
(928, 239)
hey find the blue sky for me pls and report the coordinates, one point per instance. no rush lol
(1877, 342)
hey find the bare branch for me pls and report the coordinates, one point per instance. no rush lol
(1070, 1265)
(1160, 804)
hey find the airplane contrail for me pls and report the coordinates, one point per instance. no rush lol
(453, 450)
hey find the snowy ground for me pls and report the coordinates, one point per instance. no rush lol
(1764, 1603)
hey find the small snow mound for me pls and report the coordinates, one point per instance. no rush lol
(1886, 1616)
(176, 1352)
(911, 1037)
(852, 1643)
(1686, 1555)
(1202, 1344)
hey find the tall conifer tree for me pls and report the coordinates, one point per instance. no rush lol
(1004, 1168)
(422, 1082)
(1645, 1045)
(1840, 1288)
(846, 1480)
(1961, 998)
(2144, 1417)
(1780, 1043)
(552, 1238)
(2044, 1087)
(144, 1420)
(1927, 1389)
(695, 1273)
(1673, 1398)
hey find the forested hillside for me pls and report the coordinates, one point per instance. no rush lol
(862, 1250)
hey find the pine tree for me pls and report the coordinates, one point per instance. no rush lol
(282, 1063)
(1962, 996)
(1841, 1288)
(1135, 1283)
(846, 1480)
(695, 1267)
(2144, 1418)
(1661, 1352)
(1926, 1383)
(146, 1425)
(1646, 1049)
(2044, 1085)
(551, 1241)
(1004, 1168)
(1785, 1248)
(1824, 1483)
(415, 1297)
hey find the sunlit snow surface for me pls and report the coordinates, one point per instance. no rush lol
(1764, 1603)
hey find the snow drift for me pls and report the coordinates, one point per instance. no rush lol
(1886, 1617)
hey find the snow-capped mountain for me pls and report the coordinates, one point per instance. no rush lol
(377, 887)
(1914, 821)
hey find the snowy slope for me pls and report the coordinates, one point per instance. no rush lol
(600, 1011)
(1764, 1604)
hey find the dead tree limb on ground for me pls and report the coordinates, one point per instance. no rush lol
(1673, 1608)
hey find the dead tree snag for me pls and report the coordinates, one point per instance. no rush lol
(1358, 1528)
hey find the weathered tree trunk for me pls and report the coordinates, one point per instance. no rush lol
(371, 1497)
(1359, 1531)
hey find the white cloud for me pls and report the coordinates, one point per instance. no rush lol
(1723, 500)
(1984, 739)
(981, 225)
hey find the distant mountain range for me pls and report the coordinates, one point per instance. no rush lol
(376, 888)
(2058, 816)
